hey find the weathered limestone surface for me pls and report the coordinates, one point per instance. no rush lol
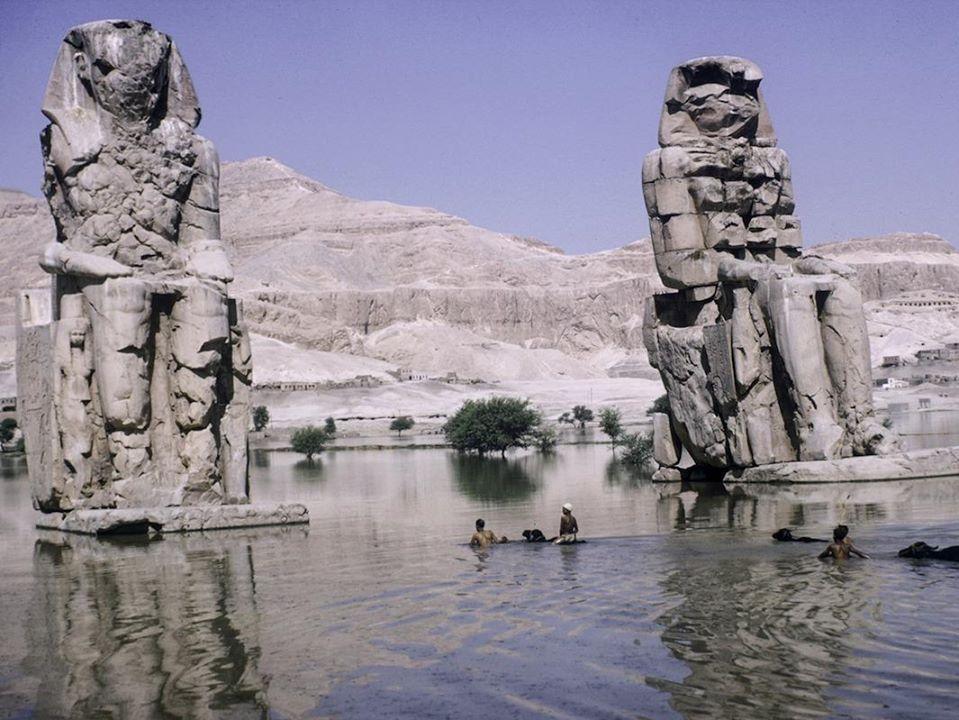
(763, 351)
(136, 380)
(937, 462)
(174, 519)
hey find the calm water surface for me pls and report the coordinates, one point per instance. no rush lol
(680, 605)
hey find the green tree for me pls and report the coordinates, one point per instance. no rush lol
(660, 405)
(261, 417)
(582, 415)
(545, 438)
(565, 418)
(492, 425)
(637, 449)
(309, 441)
(329, 427)
(611, 423)
(403, 422)
(8, 426)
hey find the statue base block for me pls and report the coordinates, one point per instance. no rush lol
(129, 521)
(916, 464)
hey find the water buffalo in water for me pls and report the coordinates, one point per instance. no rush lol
(785, 535)
(921, 550)
(536, 535)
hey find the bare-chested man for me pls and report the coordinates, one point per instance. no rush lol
(483, 537)
(567, 526)
(841, 546)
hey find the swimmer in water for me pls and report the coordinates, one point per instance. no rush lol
(841, 546)
(483, 537)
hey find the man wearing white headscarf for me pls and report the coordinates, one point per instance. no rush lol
(567, 526)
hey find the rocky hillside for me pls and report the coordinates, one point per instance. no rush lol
(331, 272)
(418, 288)
(25, 227)
(890, 265)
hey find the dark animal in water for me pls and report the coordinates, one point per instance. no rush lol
(785, 535)
(536, 535)
(921, 550)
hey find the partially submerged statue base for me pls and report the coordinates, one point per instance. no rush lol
(134, 373)
(763, 350)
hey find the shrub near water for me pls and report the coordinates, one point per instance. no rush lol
(637, 449)
(660, 405)
(309, 441)
(403, 422)
(493, 425)
(261, 417)
(611, 423)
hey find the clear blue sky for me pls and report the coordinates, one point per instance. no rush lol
(533, 117)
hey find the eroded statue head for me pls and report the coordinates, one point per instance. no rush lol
(715, 97)
(124, 68)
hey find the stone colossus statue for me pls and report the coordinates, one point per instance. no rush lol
(763, 350)
(151, 365)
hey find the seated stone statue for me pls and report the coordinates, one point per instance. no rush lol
(763, 350)
(151, 371)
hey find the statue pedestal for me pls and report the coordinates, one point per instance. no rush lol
(173, 519)
(916, 464)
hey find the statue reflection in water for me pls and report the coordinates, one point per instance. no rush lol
(757, 638)
(161, 629)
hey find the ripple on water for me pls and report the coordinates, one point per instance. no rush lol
(379, 608)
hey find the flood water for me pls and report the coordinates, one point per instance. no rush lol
(679, 605)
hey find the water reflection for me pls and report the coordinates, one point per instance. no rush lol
(620, 475)
(260, 458)
(159, 629)
(679, 605)
(12, 466)
(492, 479)
(762, 639)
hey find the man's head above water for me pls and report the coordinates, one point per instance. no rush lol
(839, 533)
(480, 524)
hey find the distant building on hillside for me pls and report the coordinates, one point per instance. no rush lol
(891, 361)
(931, 299)
(929, 354)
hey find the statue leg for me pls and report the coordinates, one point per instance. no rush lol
(200, 332)
(795, 319)
(846, 344)
(120, 312)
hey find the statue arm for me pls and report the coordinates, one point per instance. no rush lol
(64, 160)
(818, 265)
(57, 259)
(732, 269)
(200, 219)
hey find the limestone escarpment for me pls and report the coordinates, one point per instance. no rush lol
(331, 272)
(890, 265)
